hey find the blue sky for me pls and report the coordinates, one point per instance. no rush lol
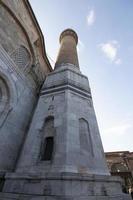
(105, 31)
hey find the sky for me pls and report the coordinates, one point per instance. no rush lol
(105, 49)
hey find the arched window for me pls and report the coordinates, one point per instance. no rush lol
(21, 57)
(119, 167)
(85, 137)
(47, 146)
(4, 100)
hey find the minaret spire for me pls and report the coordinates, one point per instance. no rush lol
(68, 49)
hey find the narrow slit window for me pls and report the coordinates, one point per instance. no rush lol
(48, 148)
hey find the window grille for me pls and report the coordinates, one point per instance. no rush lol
(21, 57)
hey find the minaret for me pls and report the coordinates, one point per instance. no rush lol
(63, 157)
(68, 119)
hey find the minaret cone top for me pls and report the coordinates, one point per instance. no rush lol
(68, 49)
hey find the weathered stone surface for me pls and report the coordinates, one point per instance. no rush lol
(22, 70)
(65, 185)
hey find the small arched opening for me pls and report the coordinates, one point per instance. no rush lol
(47, 146)
(85, 137)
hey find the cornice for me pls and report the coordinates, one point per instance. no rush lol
(33, 17)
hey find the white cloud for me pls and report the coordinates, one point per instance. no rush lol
(110, 49)
(91, 17)
(118, 61)
(118, 130)
(80, 46)
(122, 128)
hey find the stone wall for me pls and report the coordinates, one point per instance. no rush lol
(23, 68)
(18, 29)
(120, 163)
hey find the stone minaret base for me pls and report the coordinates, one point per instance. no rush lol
(63, 186)
(72, 174)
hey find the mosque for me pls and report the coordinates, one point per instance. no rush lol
(50, 146)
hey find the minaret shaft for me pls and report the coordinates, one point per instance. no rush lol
(68, 49)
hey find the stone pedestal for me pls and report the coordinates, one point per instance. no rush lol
(53, 186)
